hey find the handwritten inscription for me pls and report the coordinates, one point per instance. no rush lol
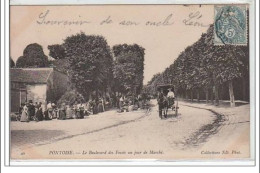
(166, 22)
(108, 20)
(193, 19)
(128, 23)
(42, 20)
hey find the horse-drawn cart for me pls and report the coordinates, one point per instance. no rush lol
(165, 101)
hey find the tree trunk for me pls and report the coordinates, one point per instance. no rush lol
(198, 95)
(216, 95)
(244, 88)
(207, 96)
(186, 95)
(220, 90)
(231, 94)
(191, 95)
(216, 89)
(211, 96)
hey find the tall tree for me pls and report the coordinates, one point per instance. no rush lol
(129, 58)
(90, 61)
(33, 56)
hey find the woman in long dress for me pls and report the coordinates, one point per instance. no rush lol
(77, 111)
(62, 112)
(69, 113)
(24, 116)
(87, 108)
(39, 112)
(100, 105)
(81, 110)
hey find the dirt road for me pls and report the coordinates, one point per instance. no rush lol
(194, 134)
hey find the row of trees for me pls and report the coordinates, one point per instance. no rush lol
(94, 69)
(205, 69)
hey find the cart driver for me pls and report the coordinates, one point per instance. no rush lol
(170, 93)
(170, 97)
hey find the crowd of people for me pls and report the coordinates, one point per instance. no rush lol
(126, 103)
(39, 111)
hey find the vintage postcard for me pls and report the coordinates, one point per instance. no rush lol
(112, 82)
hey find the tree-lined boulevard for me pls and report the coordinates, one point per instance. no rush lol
(101, 74)
(208, 72)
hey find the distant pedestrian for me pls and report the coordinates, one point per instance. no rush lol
(55, 111)
(80, 109)
(25, 116)
(121, 103)
(69, 112)
(49, 111)
(31, 110)
(95, 106)
(62, 112)
(39, 112)
(100, 105)
(87, 108)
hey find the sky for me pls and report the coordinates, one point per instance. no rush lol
(162, 43)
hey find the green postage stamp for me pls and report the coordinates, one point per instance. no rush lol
(230, 25)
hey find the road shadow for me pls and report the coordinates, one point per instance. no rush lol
(222, 103)
(28, 137)
(172, 116)
(202, 135)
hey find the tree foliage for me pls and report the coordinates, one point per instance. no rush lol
(57, 51)
(33, 56)
(12, 64)
(90, 62)
(204, 66)
(128, 68)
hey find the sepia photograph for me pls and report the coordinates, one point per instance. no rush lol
(126, 82)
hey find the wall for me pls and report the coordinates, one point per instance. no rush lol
(17, 95)
(36, 92)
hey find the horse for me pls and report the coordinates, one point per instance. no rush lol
(163, 106)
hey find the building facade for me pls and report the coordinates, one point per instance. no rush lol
(36, 84)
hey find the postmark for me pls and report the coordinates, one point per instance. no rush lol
(230, 25)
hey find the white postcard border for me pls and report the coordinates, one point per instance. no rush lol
(253, 90)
